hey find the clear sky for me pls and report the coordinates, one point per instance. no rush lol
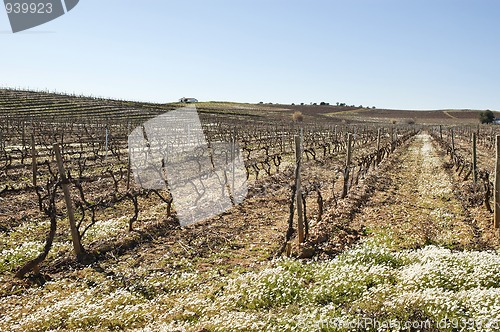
(425, 54)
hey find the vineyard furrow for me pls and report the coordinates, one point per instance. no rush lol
(417, 206)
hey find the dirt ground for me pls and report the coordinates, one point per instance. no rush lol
(418, 204)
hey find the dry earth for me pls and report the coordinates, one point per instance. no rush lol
(416, 204)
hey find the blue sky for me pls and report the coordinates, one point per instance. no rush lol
(388, 53)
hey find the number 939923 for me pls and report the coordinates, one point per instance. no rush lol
(31, 8)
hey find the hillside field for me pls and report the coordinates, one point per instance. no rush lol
(391, 228)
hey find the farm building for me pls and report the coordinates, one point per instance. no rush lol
(188, 100)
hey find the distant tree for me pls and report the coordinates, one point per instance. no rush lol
(338, 103)
(315, 104)
(297, 117)
(486, 116)
(301, 104)
(323, 103)
(293, 104)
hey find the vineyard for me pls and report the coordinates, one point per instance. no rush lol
(349, 222)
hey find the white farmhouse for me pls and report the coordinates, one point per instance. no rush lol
(188, 100)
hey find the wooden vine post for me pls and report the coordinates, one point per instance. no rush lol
(106, 143)
(392, 139)
(283, 139)
(347, 165)
(233, 162)
(377, 159)
(298, 192)
(33, 160)
(474, 158)
(378, 138)
(492, 137)
(452, 141)
(75, 236)
(129, 170)
(23, 138)
(496, 218)
(440, 132)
